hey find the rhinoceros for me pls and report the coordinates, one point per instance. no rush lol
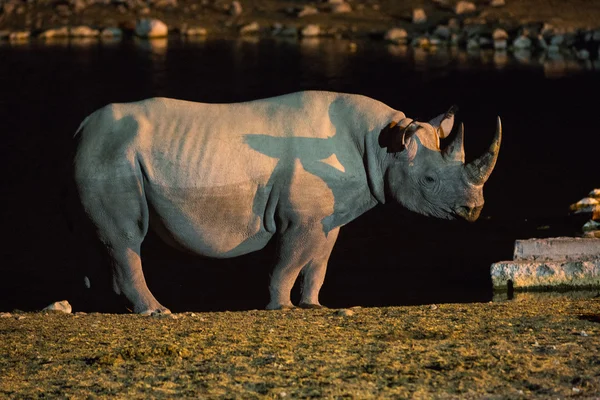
(222, 180)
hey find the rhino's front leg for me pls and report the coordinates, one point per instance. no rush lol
(306, 250)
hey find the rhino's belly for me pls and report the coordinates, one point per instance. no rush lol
(215, 222)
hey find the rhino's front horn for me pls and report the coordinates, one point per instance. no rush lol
(455, 150)
(478, 171)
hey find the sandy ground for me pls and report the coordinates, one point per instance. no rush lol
(517, 349)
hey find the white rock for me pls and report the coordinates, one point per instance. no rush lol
(442, 31)
(522, 42)
(419, 16)
(250, 29)
(83, 31)
(396, 35)
(197, 31)
(235, 9)
(595, 194)
(500, 34)
(111, 32)
(19, 36)
(463, 7)
(53, 33)
(307, 11)
(151, 28)
(497, 3)
(311, 30)
(341, 8)
(63, 306)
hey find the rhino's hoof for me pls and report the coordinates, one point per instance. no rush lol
(281, 307)
(309, 306)
(156, 312)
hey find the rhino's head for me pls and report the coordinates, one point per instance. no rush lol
(434, 181)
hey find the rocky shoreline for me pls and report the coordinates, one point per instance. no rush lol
(521, 27)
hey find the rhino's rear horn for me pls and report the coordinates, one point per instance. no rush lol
(478, 171)
(455, 150)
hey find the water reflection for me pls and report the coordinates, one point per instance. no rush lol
(157, 47)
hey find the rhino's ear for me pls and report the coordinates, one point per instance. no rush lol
(395, 137)
(444, 122)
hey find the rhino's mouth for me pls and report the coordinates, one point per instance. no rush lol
(469, 213)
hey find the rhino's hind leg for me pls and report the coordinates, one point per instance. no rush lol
(300, 250)
(118, 210)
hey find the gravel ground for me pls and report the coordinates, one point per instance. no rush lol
(516, 349)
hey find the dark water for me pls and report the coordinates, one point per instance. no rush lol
(549, 159)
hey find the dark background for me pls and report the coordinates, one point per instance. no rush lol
(548, 160)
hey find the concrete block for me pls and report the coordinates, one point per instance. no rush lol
(557, 249)
(550, 274)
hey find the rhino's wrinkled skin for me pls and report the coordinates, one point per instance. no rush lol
(221, 180)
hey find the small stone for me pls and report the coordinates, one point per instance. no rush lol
(151, 28)
(419, 16)
(464, 7)
(5, 315)
(310, 30)
(500, 34)
(583, 333)
(344, 313)
(83, 31)
(442, 31)
(235, 9)
(435, 42)
(341, 8)
(583, 54)
(591, 234)
(433, 307)
(197, 31)
(19, 36)
(522, 42)
(109, 33)
(396, 35)
(52, 33)
(250, 29)
(497, 3)
(557, 40)
(21, 317)
(307, 10)
(63, 306)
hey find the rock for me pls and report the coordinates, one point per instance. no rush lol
(587, 204)
(151, 28)
(592, 234)
(310, 30)
(533, 274)
(583, 54)
(522, 42)
(306, 11)
(83, 31)
(556, 249)
(419, 16)
(473, 43)
(5, 315)
(442, 31)
(591, 225)
(435, 42)
(63, 306)
(236, 9)
(500, 34)
(433, 307)
(464, 7)
(396, 35)
(497, 3)
(54, 33)
(557, 40)
(19, 36)
(341, 8)
(250, 29)
(110, 33)
(197, 31)
(344, 313)
(595, 194)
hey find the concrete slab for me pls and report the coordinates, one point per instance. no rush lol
(557, 249)
(546, 275)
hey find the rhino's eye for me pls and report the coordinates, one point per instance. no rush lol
(429, 179)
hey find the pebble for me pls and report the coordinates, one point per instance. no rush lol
(250, 29)
(307, 11)
(235, 9)
(5, 315)
(151, 28)
(344, 313)
(310, 30)
(19, 36)
(108, 33)
(63, 306)
(522, 42)
(433, 307)
(442, 31)
(557, 40)
(341, 8)
(396, 35)
(464, 7)
(52, 33)
(83, 31)
(500, 34)
(419, 16)
(197, 31)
